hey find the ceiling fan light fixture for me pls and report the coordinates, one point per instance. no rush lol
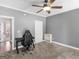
(47, 8)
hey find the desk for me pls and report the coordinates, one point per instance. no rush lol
(17, 41)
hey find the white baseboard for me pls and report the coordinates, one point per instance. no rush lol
(39, 41)
(58, 43)
(65, 45)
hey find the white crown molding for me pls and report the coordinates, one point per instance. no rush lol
(22, 10)
(33, 13)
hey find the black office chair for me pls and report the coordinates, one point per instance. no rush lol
(28, 41)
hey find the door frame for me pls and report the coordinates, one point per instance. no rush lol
(12, 21)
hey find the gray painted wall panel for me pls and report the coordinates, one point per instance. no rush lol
(65, 27)
(22, 22)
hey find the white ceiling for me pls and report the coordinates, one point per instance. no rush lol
(26, 6)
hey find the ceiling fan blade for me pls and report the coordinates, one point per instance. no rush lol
(57, 7)
(50, 2)
(39, 11)
(53, 1)
(37, 6)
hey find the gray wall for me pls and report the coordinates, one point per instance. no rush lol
(65, 27)
(22, 22)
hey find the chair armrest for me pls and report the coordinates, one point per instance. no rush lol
(33, 37)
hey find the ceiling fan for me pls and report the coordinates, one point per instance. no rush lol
(47, 6)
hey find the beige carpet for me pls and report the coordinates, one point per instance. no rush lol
(46, 50)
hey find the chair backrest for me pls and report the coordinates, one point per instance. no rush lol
(27, 38)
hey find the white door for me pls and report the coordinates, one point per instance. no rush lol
(38, 31)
